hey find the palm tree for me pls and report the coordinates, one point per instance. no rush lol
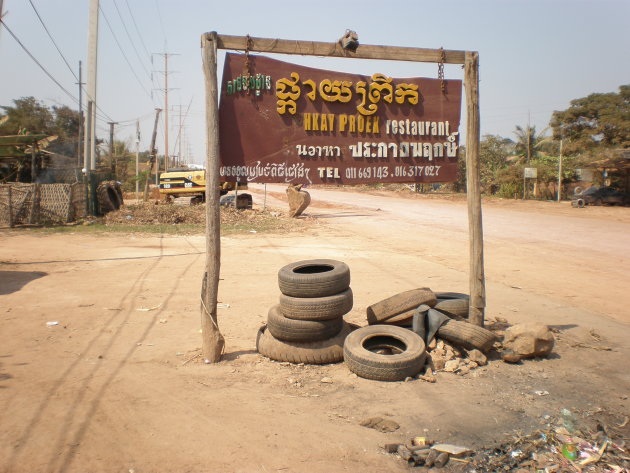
(528, 143)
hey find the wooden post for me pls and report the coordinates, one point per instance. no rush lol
(70, 196)
(153, 152)
(477, 302)
(213, 341)
(33, 161)
(9, 190)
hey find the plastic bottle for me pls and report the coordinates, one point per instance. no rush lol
(568, 420)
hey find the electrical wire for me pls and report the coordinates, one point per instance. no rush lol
(182, 125)
(52, 39)
(157, 6)
(130, 39)
(133, 19)
(38, 63)
(105, 116)
(123, 53)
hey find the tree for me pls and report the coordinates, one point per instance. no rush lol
(28, 115)
(494, 151)
(596, 123)
(528, 143)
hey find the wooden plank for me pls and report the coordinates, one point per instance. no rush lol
(12, 140)
(473, 190)
(315, 48)
(213, 341)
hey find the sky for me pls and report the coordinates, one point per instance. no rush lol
(535, 55)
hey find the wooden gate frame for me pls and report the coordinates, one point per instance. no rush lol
(213, 342)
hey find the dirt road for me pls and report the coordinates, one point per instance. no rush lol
(117, 384)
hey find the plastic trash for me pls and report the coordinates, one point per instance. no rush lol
(570, 451)
(568, 420)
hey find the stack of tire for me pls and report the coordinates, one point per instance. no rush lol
(307, 326)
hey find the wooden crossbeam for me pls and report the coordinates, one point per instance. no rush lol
(316, 48)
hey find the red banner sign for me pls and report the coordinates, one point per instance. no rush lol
(280, 122)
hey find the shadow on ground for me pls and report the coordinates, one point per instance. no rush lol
(13, 281)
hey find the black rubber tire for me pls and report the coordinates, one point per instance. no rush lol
(314, 278)
(312, 353)
(301, 330)
(405, 301)
(408, 360)
(402, 320)
(467, 335)
(451, 295)
(316, 308)
(108, 197)
(453, 307)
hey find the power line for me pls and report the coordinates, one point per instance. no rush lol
(65, 60)
(123, 53)
(130, 39)
(133, 19)
(37, 62)
(53, 40)
(157, 6)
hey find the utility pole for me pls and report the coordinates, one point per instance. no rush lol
(179, 153)
(111, 144)
(90, 141)
(153, 152)
(529, 134)
(166, 90)
(80, 143)
(560, 173)
(180, 136)
(529, 137)
(1, 13)
(137, 159)
(165, 112)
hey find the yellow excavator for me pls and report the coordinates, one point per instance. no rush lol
(190, 183)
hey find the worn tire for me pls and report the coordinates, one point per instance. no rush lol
(314, 353)
(314, 278)
(316, 308)
(403, 319)
(107, 196)
(467, 335)
(408, 360)
(453, 307)
(399, 303)
(291, 330)
(452, 295)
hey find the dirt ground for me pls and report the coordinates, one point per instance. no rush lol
(118, 385)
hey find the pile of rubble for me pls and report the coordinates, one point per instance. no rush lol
(564, 445)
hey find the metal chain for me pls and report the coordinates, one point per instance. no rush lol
(441, 70)
(248, 45)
